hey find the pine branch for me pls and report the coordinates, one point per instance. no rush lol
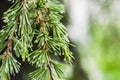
(39, 19)
(8, 35)
(45, 46)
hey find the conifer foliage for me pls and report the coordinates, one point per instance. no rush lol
(30, 22)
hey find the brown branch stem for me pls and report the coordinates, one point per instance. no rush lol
(9, 45)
